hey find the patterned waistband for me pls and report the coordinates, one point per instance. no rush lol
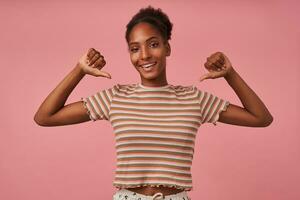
(127, 194)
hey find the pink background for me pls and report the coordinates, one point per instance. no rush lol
(41, 42)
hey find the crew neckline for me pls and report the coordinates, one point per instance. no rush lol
(149, 87)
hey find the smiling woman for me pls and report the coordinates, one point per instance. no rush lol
(155, 123)
(148, 52)
(147, 35)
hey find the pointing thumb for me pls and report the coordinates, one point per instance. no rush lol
(103, 74)
(205, 76)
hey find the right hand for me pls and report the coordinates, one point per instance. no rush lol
(92, 62)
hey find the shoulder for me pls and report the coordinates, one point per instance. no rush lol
(134, 87)
(185, 89)
(124, 88)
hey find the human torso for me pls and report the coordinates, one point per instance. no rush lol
(155, 130)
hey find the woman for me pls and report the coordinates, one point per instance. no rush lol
(155, 123)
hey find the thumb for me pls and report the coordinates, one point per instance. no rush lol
(205, 76)
(102, 73)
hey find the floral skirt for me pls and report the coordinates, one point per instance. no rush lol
(124, 194)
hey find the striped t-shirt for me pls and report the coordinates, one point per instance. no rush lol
(155, 130)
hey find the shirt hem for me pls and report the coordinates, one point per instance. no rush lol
(121, 186)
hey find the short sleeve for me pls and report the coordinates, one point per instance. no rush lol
(98, 105)
(211, 106)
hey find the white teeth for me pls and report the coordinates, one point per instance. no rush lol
(148, 65)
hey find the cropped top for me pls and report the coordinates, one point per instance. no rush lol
(154, 130)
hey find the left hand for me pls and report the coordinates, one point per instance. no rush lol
(218, 65)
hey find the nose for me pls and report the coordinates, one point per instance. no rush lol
(145, 54)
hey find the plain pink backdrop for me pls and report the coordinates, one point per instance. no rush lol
(40, 42)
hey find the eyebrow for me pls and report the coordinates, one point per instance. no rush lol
(153, 37)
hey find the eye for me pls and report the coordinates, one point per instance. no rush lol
(154, 44)
(134, 49)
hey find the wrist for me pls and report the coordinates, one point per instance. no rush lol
(78, 68)
(230, 74)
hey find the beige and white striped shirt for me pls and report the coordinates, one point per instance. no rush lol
(155, 130)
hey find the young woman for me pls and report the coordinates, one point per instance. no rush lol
(155, 123)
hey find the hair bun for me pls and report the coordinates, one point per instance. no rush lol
(155, 17)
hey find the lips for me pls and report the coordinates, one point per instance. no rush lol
(147, 65)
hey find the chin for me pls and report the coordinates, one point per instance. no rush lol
(149, 77)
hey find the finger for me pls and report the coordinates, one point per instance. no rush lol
(102, 62)
(91, 53)
(212, 66)
(96, 64)
(222, 64)
(94, 58)
(105, 74)
(226, 60)
(212, 75)
(222, 57)
(218, 65)
(97, 72)
(208, 66)
(216, 57)
(211, 63)
(219, 60)
(205, 76)
(99, 64)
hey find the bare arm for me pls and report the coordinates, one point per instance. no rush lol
(254, 113)
(53, 111)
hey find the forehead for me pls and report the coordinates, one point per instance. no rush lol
(143, 31)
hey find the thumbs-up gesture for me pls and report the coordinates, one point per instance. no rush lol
(92, 62)
(218, 65)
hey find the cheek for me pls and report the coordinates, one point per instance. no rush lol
(159, 53)
(133, 58)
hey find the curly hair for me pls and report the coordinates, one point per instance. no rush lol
(155, 17)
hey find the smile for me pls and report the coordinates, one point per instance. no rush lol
(146, 65)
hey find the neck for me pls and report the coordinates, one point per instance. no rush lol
(158, 82)
(154, 84)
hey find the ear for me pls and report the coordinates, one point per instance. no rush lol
(168, 47)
